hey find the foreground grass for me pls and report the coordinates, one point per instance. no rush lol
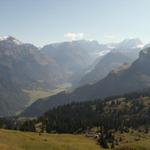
(15, 140)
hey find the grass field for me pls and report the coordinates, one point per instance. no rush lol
(15, 140)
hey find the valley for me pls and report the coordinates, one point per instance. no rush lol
(43, 93)
(55, 102)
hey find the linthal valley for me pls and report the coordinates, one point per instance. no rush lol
(74, 75)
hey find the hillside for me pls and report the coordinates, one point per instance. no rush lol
(15, 140)
(27, 67)
(122, 121)
(24, 67)
(130, 110)
(120, 81)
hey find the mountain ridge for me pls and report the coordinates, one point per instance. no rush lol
(136, 77)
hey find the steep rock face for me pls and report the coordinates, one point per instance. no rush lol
(120, 81)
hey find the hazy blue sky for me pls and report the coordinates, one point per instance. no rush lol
(46, 21)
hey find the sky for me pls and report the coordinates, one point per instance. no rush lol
(45, 21)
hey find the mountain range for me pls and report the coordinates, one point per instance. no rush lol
(24, 66)
(75, 57)
(127, 78)
(125, 52)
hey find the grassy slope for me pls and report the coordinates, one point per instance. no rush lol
(15, 140)
(140, 145)
(129, 142)
(41, 93)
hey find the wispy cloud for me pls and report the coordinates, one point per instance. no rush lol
(74, 36)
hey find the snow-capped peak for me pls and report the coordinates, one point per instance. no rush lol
(140, 46)
(2, 38)
(131, 43)
(10, 39)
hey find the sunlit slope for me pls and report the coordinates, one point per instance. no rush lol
(14, 140)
